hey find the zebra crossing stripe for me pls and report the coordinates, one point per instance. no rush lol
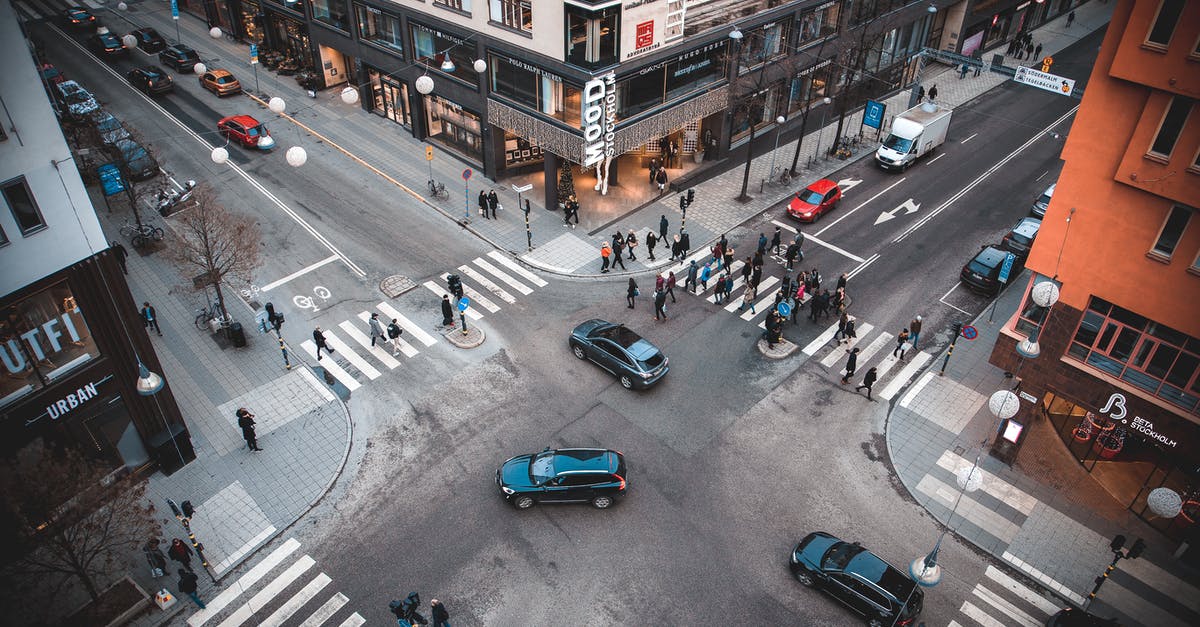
(354, 621)
(487, 284)
(30, 12)
(244, 583)
(351, 356)
(331, 366)
(889, 362)
(764, 285)
(496, 272)
(437, 289)
(269, 591)
(1027, 595)
(786, 227)
(917, 362)
(405, 347)
(875, 346)
(1011, 610)
(979, 616)
(476, 297)
(406, 324)
(821, 340)
(381, 350)
(840, 351)
(516, 267)
(297, 601)
(323, 613)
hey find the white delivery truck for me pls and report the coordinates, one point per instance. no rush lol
(914, 134)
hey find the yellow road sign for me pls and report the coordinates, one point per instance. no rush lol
(429, 153)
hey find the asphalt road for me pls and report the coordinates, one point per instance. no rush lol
(732, 458)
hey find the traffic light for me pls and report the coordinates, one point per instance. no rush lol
(1117, 543)
(1135, 551)
(682, 203)
(691, 196)
(958, 331)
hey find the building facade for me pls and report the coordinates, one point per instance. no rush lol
(70, 339)
(1118, 374)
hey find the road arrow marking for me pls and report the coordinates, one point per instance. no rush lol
(909, 206)
(846, 184)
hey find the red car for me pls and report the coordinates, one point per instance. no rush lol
(813, 201)
(246, 131)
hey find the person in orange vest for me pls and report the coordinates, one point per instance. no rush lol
(605, 252)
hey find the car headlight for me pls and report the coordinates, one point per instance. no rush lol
(507, 490)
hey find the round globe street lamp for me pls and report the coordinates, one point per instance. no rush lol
(219, 155)
(276, 105)
(199, 68)
(1164, 502)
(779, 121)
(424, 85)
(296, 156)
(1045, 295)
(349, 95)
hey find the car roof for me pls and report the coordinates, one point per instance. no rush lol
(870, 567)
(822, 186)
(1050, 190)
(991, 256)
(69, 85)
(244, 120)
(220, 73)
(179, 48)
(582, 459)
(1027, 227)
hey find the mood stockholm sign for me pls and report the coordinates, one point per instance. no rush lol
(599, 119)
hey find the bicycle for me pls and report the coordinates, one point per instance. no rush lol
(437, 190)
(140, 234)
(205, 315)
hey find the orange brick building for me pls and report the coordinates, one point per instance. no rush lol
(1119, 368)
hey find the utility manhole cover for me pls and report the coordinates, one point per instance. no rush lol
(396, 285)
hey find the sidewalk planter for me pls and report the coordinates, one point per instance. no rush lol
(117, 605)
(1082, 434)
(1107, 446)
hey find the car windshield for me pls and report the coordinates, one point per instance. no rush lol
(839, 555)
(1019, 238)
(810, 196)
(541, 467)
(899, 144)
(78, 97)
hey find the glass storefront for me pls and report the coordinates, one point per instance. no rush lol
(379, 28)
(389, 97)
(535, 88)
(764, 106)
(671, 80)
(335, 13)
(434, 47)
(291, 36)
(519, 151)
(809, 87)
(42, 337)
(250, 26)
(451, 125)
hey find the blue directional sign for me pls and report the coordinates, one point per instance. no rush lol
(784, 309)
(254, 53)
(175, 9)
(873, 114)
(464, 303)
(1006, 268)
(110, 179)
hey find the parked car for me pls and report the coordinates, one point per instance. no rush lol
(220, 82)
(150, 80)
(79, 17)
(246, 131)
(50, 74)
(180, 58)
(1020, 239)
(110, 128)
(813, 201)
(139, 163)
(1074, 617)
(982, 272)
(1043, 201)
(149, 40)
(568, 475)
(106, 44)
(857, 578)
(636, 362)
(77, 100)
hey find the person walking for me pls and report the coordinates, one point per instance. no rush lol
(901, 344)
(483, 204)
(493, 202)
(789, 255)
(618, 248)
(868, 381)
(1037, 52)
(748, 298)
(962, 71)
(914, 331)
(187, 585)
(394, 332)
(121, 254)
(1070, 19)
(841, 282)
(718, 255)
(774, 329)
(776, 240)
(815, 281)
(631, 292)
(319, 340)
(920, 94)
(676, 249)
(705, 273)
(605, 252)
(447, 312)
(762, 244)
(659, 282)
(660, 304)
(651, 242)
(570, 210)
(851, 333)
(933, 93)
(690, 283)
(662, 227)
(246, 422)
(437, 612)
(661, 179)
(1029, 50)
(719, 291)
(671, 285)
(841, 330)
(851, 365)
(653, 169)
(728, 286)
(631, 242)
(150, 318)
(181, 552)
(685, 243)
(376, 329)
(747, 268)
(756, 275)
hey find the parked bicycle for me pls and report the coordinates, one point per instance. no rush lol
(205, 316)
(437, 190)
(141, 234)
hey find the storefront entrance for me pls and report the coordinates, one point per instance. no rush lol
(454, 127)
(389, 98)
(291, 38)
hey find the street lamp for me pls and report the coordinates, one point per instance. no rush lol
(779, 121)
(148, 383)
(912, 98)
(1044, 294)
(825, 101)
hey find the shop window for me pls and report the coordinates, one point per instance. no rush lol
(763, 44)
(24, 209)
(433, 47)
(1032, 315)
(592, 36)
(458, 5)
(699, 17)
(454, 127)
(1172, 125)
(520, 151)
(819, 24)
(42, 337)
(760, 107)
(379, 28)
(332, 12)
(1172, 232)
(695, 70)
(1164, 23)
(640, 93)
(534, 88)
(515, 14)
(809, 87)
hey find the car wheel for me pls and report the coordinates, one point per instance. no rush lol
(626, 382)
(523, 502)
(578, 350)
(876, 622)
(805, 577)
(602, 502)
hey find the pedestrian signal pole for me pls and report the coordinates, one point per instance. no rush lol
(950, 351)
(183, 513)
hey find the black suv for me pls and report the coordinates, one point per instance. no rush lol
(180, 57)
(636, 362)
(858, 578)
(982, 272)
(565, 475)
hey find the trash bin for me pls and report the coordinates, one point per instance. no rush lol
(237, 335)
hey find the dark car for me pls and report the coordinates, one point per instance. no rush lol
(1020, 239)
(1039, 206)
(812, 202)
(858, 578)
(1074, 617)
(139, 163)
(636, 362)
(150, 79)
(110, 128)
(50, 74)
(78, 17)
(566, 475)
(107, 45)
(179, 58)
(982, 272)
(149, 40)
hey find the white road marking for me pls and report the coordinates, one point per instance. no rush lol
(331, 366)
(968, 139)
(476, 297)
(381, 350)
(821, 340)
(1027, 595)
(878, 343)
(437, 289)
(318, 618)
(301, 272)
(496, 272)
(862, 266)
(262, 536)
(814, 239)
(29, 12)
(354, 621)
(405, 347)
(487, 284)
(942, 300)
(698, 255)
(406, 324)
(269, 591)
(979, 616)
(516, 267)
(244, 583)
(837, 353)
(321, 388)
(766, 301)
(348, 353)
(1013, 612)
(1046, 580)
(1004, 491)
(861, 205)
(915, 363)
(297, 601)
(940, 155)
(916, 389)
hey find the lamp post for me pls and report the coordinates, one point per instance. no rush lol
(779, 121)
(825, 101)
(912, 98)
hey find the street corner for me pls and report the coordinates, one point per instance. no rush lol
(472, 337)
(781, 349)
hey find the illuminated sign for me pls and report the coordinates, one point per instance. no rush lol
(644, 35)
(599, 118)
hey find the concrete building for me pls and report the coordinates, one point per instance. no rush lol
(1118, 373)
(70, 337)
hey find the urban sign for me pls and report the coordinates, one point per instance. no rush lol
(72, 400)
(599, 119)
(1044, 80)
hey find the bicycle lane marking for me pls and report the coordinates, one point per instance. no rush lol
(301, 272)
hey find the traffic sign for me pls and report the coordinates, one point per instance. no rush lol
(254, 54)
(464, 303)
(873, 114)
(429, 153)
(1043, 80)
(969, 332)
(522, 188)
(467, 174)
(1046, 63)
(175, 10)
(784, 309)
(1006, 267)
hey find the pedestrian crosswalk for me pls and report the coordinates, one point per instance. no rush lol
(264, 595)
(1001, 601)
(491, 282)
(835, 354)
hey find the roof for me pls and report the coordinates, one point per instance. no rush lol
(244, 120)
(577, 459)
(823, 186)
(218, 73)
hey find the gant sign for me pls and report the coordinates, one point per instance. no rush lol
(599, 119)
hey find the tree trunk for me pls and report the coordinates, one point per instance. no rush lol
(749, 158)
(800, 140)
(216, 283)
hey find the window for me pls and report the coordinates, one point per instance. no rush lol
(694, 70)
(1172, 231)
(1032, 314)
(1164, 23)
(536, 89)
(461, 5)
(762, 44)
(818, 24)
(1172, 125)
(592, 36)
(377, 27)
(24, 209)
(42, 337)
(332, 12)
(3, 237)
(516, 14)
(433, 47)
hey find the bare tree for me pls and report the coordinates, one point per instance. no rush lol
(865, 29)
(64, 516)
(216, 242)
